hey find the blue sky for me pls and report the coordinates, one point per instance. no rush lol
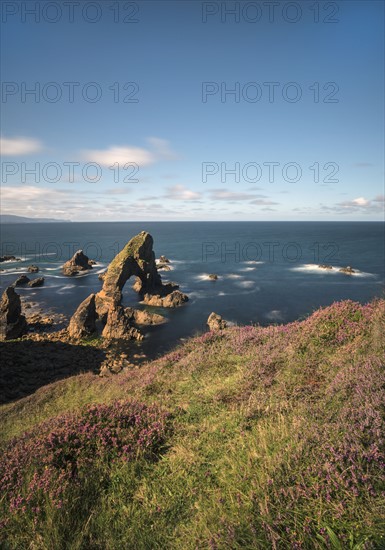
(197, 152)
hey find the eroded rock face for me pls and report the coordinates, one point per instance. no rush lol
(83, 321)
(215, 322)
(12, 322)
(137, 259)
(78, 262)
(118, 325)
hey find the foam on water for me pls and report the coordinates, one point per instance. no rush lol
(246, 284)
(335, 270)
(275, 315)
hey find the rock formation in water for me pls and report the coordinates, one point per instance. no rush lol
(22, 280)
(12, 322)
(9, 259)
(78, 262)
(137, 259)
(39, 281)
(347, 270)
(33, 269)
(215, 322)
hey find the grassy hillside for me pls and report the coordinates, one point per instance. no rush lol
(247, 438)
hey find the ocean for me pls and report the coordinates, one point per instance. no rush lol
(268, 272)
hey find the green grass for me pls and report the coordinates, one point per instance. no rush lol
(272, 444)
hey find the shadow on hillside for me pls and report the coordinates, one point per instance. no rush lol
(28, 365)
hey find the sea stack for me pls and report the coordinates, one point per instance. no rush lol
(78, 262)
(137, 259)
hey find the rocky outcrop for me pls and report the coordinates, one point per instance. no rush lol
(164, 260)
(213, 277)
(78, 262)
(175, 299)
(163, 267)
(119, 325)
(143, 317)
(9, 259)
(325, 266)
(36, 282)
(22, 280)
(33, 269)
(347, 270)
(12, 322)
(83, 321)
(137, 259)
(215, 322)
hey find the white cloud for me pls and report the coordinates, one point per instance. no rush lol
(361, 201)
(181, 193)
(359, 205)
(122, 154)
(19, 146)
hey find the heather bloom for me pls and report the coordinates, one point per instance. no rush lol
(62, 452)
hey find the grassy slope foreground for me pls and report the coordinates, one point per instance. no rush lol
(247, 438)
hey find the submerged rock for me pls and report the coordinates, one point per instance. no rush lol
(33, 269)
(215, 322)
(347, 270)
(78, 262)
(213, 276)
(12, 322)
(325, 266)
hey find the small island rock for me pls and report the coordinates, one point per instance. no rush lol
(22, 280)
(78, 262)
(36, 282)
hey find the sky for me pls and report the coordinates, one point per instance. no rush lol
(190, 110)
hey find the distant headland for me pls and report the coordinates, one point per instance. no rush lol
(10, 218)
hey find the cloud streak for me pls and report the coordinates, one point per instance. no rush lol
(19, 146)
